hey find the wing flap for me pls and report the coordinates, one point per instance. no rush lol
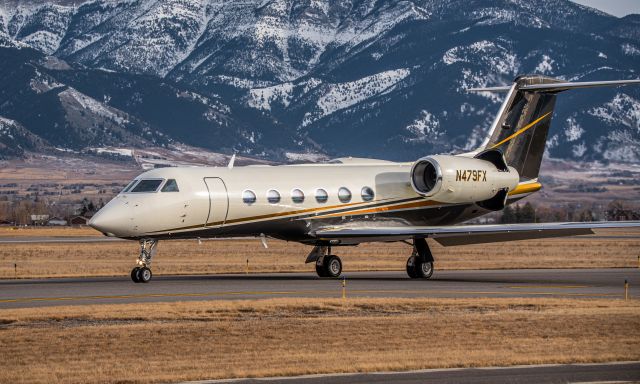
(466, 234)
(483, 238)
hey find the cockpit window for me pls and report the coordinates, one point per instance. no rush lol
(147, 185)
(131, 184)
(170, 186)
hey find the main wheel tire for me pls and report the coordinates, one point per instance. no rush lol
(332, 266)
(418, 269)
(134, 274)
(425, 269)
(320, 270)
(144, 275)
(412, 263)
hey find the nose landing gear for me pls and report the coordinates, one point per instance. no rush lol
(142, 273)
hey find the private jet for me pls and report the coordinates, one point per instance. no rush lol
(349, 201)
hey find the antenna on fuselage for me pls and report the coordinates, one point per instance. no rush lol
(232, 160)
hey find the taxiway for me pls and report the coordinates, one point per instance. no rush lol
(575, 283)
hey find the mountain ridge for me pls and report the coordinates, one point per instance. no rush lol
(271, 78)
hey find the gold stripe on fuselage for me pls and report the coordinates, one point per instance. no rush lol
(388, 208)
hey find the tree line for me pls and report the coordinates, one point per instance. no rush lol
(18, 212)
(616, 210)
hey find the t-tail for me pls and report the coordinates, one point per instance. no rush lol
(520, 128)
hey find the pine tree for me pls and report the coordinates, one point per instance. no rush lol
(507, 215)
(528, 214)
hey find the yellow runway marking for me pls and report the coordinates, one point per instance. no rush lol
(264, 293)
(549, 286)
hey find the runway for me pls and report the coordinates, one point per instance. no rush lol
(575, 283)
(625, 372)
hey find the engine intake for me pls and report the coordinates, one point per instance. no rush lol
(456, 179)
(425, 176)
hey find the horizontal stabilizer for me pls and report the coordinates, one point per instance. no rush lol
(466, 234)
(558, 87)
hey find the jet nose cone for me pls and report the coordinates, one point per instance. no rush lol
(106, 222)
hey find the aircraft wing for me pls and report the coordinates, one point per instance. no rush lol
(465, 234)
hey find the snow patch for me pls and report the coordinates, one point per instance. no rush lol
(262, 98)
(579, 150)
(426, 126)
(553, 141)
(343, 95)
(92, 105)
(630, 50)
(573, 130)
(622, 109)
(622, 146)
(545, 66)
(113, 151)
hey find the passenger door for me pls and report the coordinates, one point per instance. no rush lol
(218, 201)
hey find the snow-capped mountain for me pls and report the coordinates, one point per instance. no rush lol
(283, 77)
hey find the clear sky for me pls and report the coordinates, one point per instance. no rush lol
(615, 7)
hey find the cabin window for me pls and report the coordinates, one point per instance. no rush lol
(344, 195)
(148, 185)
(170, 186)
(367, 194)
(273, 196)
(321, 196)
(128, 187)
(297, 196)
(248, 197)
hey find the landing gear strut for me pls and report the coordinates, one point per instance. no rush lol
(327, 265)
(420, 263)
(142, 273)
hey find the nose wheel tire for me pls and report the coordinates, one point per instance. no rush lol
(419, 269)
(331, 266)
(144, 275)
(134, 274)
(141, 275)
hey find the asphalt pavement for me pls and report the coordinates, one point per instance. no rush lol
(624, 372)
(576, 283)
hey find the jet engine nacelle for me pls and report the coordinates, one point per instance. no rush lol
(485, 179)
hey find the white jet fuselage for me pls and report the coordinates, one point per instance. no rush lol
(217, 201)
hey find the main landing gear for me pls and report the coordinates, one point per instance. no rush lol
(327, 265)
(420, 263)
(142, 273)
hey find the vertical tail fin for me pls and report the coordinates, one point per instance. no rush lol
(521, 127)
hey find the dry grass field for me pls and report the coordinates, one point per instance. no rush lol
(198, 340)
(608, 249)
